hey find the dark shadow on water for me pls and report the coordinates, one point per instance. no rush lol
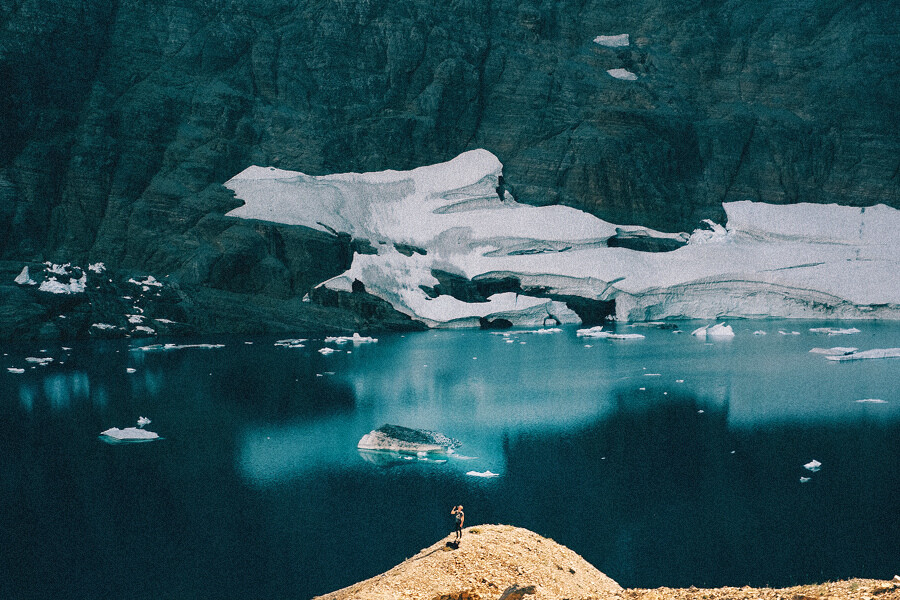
(663, 493)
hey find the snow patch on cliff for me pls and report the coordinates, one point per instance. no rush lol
(623, 74)
(795, 261)
(613, 41)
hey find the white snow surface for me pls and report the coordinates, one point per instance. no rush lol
(24, 278)
(792, 261)
(623, 74)
(612, 41)
(130, 433)
(355, 338)
(867, 354)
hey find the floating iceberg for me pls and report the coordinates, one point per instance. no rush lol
(24, 278)
(792, 261)
(719, 330)
(129, 434)
(45, 360)
(166, 347)
(15, 370)
(866, 354)
(355, 338)
(326, 351)
(813, 466)
(598, 333)
(405, 440)
(487, 474)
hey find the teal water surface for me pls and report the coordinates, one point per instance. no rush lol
(663, 461)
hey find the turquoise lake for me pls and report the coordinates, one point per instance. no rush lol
(666, 461)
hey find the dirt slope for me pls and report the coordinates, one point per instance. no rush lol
(501, 562)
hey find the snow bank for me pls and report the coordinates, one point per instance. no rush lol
(612, 41)
(623, 74)
(792, 261)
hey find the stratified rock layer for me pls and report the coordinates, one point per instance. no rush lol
(120, 121)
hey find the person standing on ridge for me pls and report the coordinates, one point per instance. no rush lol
(460, 519)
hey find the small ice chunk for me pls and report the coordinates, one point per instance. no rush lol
(135, 319)
(97, 267)
(41, 361)
(623, 74)
(612, 41)
(598, 333)
(143, 422)
(783, 332)
(872, 401)
(759, 332)
(326, 351)
(288, 343)
(103, 326)
(130, 370)
(805, 479)
(145, 329)
(813, 466)
(834, 330)
(24, 278)
(146, 281)
(482, 474)
(75, 286)
(355, 338)
(15, 370)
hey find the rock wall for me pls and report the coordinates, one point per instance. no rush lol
(121, 119)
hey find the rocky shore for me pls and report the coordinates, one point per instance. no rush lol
(510, 563)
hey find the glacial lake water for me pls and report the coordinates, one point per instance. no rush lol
(664, 461)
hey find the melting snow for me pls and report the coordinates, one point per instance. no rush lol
(612, 41)
(623, 74)
(794, 261)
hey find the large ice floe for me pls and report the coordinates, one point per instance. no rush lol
(796, 261)
(130, 434)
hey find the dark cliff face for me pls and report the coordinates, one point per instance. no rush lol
(120, 120)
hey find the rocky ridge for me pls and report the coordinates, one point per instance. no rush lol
(508, 563)
(122, 120)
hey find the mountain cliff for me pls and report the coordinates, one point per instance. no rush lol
(121, 120)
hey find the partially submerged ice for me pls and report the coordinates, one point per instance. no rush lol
(130, 434)
(406, 440)
(867, 354)
(793, 261)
